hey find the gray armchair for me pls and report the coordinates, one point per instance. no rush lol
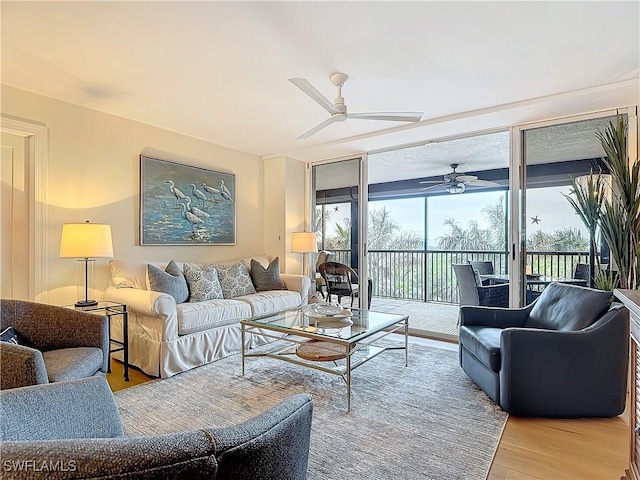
(471, 290)
(55, 344)
(77, 425)
(565, 355)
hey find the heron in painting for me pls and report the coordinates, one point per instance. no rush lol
(175, 192)
(224, 191)
(190, 217)
(201, 197)
(196, 211)
(210, 190)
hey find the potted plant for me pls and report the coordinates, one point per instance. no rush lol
(617, 214)
(620, 219)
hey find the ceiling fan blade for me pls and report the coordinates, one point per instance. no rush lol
(482, 183)
(391, 116)
(310, 90)
(431, 181)
(433, 186)
(318, 127)
(466, 178)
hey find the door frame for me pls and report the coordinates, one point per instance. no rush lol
(37, 161)
(363, 212)
(518, 180)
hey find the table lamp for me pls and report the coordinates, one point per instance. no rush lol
(304, 242)
(86, 241)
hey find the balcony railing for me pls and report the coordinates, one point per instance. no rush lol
(428, 275)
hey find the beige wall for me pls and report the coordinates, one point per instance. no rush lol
(93, 174)
(284, 205)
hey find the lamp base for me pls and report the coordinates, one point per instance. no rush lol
(86, 303)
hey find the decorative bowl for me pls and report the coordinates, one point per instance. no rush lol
(329, 315)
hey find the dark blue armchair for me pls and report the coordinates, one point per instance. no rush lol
(565, 355)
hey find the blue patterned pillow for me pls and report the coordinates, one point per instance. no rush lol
(235, 280)
(170, 280)
(203, 282)
(9, 335)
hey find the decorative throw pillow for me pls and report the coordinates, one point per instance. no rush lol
(203, 282)
(235, 280)
(170, 281)
(9, 335)
(267, 278)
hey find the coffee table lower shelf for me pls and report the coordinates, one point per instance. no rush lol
(355, 353)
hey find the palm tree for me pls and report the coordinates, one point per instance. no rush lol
(381, 228)
(588, 201)
(471, 238)
(495, 216)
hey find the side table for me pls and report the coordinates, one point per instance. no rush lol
(112, 309)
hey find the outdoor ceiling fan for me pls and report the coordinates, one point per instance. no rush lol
(338, 109)
(456, 182)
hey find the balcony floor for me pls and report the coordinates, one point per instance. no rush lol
(439, 320)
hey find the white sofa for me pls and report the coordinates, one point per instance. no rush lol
(166, 338)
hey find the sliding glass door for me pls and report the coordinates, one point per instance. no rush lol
(554, 243)
(338, 220)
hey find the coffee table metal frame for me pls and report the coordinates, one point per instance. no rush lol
(359, 340)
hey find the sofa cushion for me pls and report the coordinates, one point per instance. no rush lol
(203, 282)
(484, 343)
(235, 279)
(263, 303)
(72, 363)
(83, 408)
(568, 307)
(129, 274)
(195, 317)
(171, 280)
(267, 278)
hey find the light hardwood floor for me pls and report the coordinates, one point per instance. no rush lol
(530, 448)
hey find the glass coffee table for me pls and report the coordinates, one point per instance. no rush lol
(332, 346)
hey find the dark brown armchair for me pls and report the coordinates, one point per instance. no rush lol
(54, 344)
(342, 281)
(323, 256)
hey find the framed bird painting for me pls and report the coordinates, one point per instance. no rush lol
(185, 205)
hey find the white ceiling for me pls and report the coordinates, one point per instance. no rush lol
(218, 70)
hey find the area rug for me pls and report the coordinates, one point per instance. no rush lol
(424, 421)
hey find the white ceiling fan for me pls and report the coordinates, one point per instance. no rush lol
(456, 182)
(338, 109)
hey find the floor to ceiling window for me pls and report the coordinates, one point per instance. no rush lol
(446, 202)
(431, 206)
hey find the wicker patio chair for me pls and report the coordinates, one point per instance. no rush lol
(484, 267)
(471, 293)
(581, 271)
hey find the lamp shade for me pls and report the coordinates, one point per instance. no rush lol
(304, 242)
(86, 240)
